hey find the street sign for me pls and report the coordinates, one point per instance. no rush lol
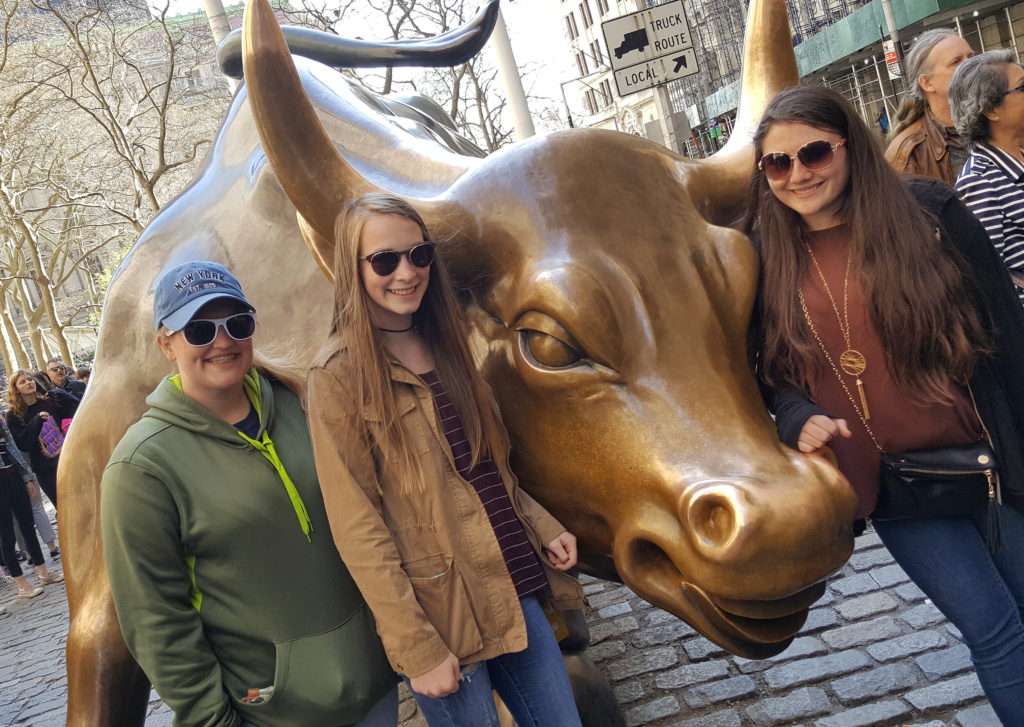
(650, 47)
(892, 61)
(655, 72)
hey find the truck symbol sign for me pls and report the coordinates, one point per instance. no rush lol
(636, 40)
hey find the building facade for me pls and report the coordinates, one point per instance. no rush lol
(838, 43)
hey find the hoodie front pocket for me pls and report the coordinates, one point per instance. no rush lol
(326, 679)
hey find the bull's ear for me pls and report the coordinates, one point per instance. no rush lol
(720, 184)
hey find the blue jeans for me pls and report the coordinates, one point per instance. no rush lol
(981, 593)
(532, 683)
(383, 714)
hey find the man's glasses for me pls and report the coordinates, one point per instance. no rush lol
(386, 262)
(203, 331)
(1015, 89)
(56, 369)
(814, 155)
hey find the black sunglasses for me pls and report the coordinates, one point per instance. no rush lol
(386, 262)
(203, 331)
(814, 155)
(1015, 89)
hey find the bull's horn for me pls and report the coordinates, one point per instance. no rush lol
(769, 66)
(316, 177)
(453, 48)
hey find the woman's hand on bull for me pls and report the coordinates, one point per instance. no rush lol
(819, 430)
(562, 552)
(440, 681)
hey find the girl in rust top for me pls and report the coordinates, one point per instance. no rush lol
(887, 324)
(452, 557)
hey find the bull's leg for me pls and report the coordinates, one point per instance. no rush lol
(105, 685)
(595, 699)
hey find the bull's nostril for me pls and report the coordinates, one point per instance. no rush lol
(712, 519)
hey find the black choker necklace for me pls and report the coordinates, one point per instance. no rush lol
(396, 330)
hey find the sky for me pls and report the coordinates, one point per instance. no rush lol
(535, 28)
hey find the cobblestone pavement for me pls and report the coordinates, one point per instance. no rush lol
(874, 652)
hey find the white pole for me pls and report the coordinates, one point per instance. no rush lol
(220, 27)
(510, 79)
(218, 19)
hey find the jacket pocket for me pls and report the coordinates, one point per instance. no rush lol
(442, 595)
(327, 679)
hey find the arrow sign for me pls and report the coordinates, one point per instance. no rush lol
(680, 63)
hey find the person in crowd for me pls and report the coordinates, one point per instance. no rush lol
(882, 119)
(987, 97)
(207, 500)
(43, 527)
(41, 520)
(58, 374)
(405, 433)
(16, 483)
(35, 418)
(925, 142)
(83, 374)
(888, 325)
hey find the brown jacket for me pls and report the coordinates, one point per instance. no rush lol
(920, 149)
(429, 564)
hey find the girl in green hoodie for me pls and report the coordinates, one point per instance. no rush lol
(228, 587)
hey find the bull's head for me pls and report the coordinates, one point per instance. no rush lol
(609, 311)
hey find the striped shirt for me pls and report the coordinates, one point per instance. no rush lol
(991, 184)
(520, 557)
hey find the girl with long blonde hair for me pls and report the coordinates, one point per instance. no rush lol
(452, 557)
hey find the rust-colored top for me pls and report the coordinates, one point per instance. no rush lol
(899, 423)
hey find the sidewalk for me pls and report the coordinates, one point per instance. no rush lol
(874, 652)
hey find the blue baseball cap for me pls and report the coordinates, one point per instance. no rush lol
(184, 289)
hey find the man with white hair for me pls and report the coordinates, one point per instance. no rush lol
(925, 142)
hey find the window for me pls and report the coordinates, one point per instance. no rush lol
(606, 92)
(585, 14)
(596, 55)
(602, 7)
(570, 26)
(581, 63)
(591, 101)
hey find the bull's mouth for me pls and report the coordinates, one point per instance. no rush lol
(755, 628)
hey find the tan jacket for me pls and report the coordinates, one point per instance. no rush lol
(920, 149)
(428, 565)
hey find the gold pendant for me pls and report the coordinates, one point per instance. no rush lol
(853, 362)
(863, 400)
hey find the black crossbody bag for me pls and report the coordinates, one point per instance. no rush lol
(937, 482)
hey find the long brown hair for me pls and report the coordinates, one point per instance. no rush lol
(14, 397)
(439, 320)
(915, 293)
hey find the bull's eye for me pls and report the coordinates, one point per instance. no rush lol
(544, 342)
(548, 351)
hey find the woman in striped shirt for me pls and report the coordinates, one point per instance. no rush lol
(987, 100)
(452, 557)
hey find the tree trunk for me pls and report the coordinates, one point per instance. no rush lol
(11, 337)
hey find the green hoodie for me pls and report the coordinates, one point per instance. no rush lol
(221, 583)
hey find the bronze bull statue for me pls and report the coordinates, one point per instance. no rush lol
(609, 304)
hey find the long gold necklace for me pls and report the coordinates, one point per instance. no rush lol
(851, 361)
